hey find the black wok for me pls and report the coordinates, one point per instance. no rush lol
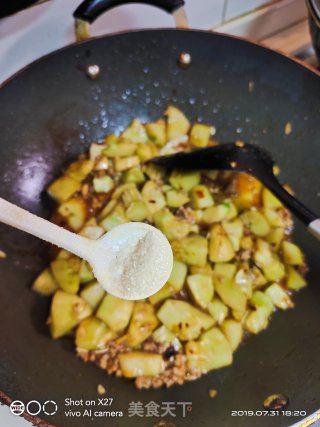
(51, 111)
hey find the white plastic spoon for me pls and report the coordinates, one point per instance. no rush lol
(131, 261)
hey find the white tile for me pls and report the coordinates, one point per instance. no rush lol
(238, 7)
(267, 21)
(204, 14)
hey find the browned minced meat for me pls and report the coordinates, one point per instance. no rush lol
(175, 371)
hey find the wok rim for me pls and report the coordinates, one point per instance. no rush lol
(279, 54)
(247, 40)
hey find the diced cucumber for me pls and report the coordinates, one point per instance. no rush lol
(111, 140)
(275, 219)
(165, 292)
(67, 311)
(279, 297)
(206, 269)
(93, 294)
(162, 335)
(276, 270)
(124, 163)
(292, 254)
(256, 222)
(63, 188)
(136, 363)
(218, 310)
(234, 230)
(239, 316)
(142, 323)
(275, 237)
(157, 132)
(220, 246)
(103, 164)
(176, 199)
(191, 250)
(212, 351)
(269, 262)
(113, 220)
(116, 217)
(130, 195)
(215, 214)
(269, 200)
(232, 210)
(85, 273)
(92, 231)
(63, 254)
(80, 169)
(137, 211)
(75, 212)
(93, 334)
(178, 275)
(233, 331)
(244, 279)
(177, 123)
(256, 321)
(153, 196)
(201, 197)
(262, 300)
(96, 150)
(154, 172)
(258, 278)
(199, 135)
(109, 207)
(117, 194)
(246, 243)
(115, 312)
(173, 227)
(229, 292)
(45, 283)
(231, 295)
(147, 151)
(165, 188)
(66, 273)
(104, 184)
(183, 320)
(295, 280)
(134, 175)
(184, 180)
(122, 149)
(225, 271)
(135, 132)
(201, 288)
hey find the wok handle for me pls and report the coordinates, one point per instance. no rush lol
(90, 10)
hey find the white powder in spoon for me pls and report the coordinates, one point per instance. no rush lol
(132, 261)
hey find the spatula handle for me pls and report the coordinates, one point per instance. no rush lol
(309, 218)
(26, 221)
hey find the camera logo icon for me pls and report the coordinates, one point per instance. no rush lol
(34, 407)
(17, 407)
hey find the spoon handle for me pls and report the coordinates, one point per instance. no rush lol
(309, 218)
(23, 220)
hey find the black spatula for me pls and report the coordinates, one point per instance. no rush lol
(242, 157)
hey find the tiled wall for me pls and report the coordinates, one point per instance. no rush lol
(210, 13)
(234, 8)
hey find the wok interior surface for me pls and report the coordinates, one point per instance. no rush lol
(51, 112)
